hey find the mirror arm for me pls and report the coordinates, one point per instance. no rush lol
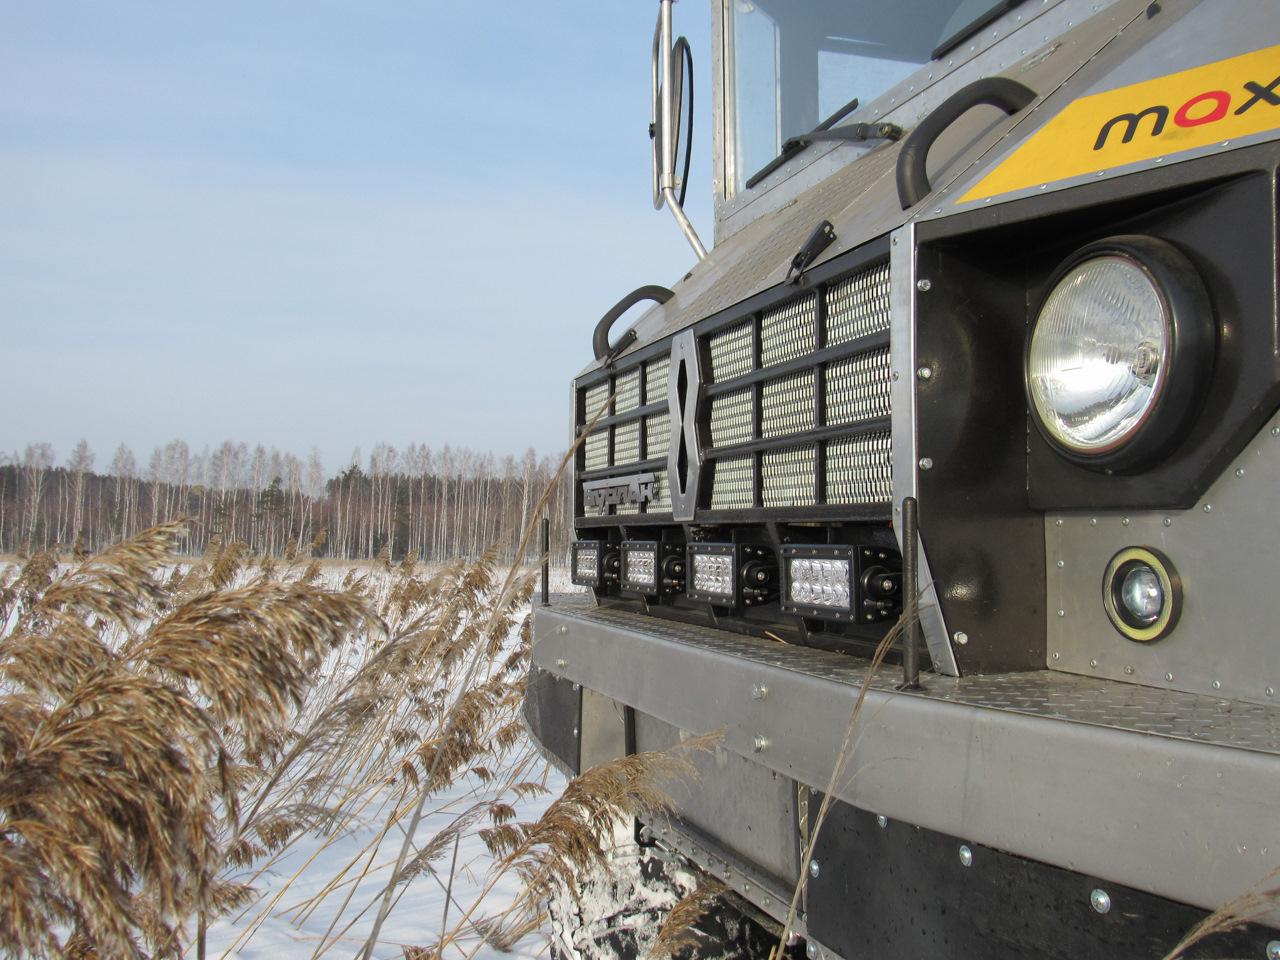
(665, 135)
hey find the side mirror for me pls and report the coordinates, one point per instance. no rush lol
(671, 122)
(671, 125)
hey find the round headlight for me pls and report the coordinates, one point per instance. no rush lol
(1120, 353)
(1142, 594)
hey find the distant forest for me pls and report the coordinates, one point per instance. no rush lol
(438, 504)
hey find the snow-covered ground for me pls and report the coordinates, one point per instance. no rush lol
(292, 925)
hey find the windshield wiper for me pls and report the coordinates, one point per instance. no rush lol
(853, 133)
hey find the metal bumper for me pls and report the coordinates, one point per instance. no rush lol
(1166, 792)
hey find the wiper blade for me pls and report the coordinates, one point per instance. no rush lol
(853, 133)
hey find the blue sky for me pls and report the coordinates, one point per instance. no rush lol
(323, 224)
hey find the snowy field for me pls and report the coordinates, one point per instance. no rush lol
(307, 920)
(320, 895)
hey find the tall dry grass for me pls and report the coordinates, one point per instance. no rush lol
(129, 701)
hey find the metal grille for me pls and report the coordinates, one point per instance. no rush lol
(732, 352)
(859, 388)
(661, 502)
(787, 476)
(626, 443)
(789, 332)
(597, 450)
(596, 396)
(628, 387)
(655, 380)
(858, 306)
(786, 405)
(732, 489)
(657, 435)
(860, 470)
(731, 418)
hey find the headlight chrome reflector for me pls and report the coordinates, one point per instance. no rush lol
(650, 567)
(1142, 594)
(836, 582)
(1120, 353)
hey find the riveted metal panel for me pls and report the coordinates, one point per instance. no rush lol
(747, 808)
(1225, 550)
(1163, 791)
(903, 353)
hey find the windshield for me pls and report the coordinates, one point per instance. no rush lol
(793, 63)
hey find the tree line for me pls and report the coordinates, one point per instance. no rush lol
(438, 504)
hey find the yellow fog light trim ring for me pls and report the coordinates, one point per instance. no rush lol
(1133, 560)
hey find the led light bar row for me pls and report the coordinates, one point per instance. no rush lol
(819, 581)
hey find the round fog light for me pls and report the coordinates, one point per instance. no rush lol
(1142, 594)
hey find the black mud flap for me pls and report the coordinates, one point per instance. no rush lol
(552, 711)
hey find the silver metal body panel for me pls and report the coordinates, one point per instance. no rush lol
(1185, 34)
(1226, 551)
(751, 812)
(1158, 790)
(902, 271)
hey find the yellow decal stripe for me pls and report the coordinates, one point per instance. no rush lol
(1181, 111)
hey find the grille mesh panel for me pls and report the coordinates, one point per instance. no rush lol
(860, 470)
(732, 352)
(787, 476)
(789, 332)
(655, 380)
(626, 443)
(786, 405)
(657, 434)
(731, 418)
(732, 489)
(628, 386)
(596, 450)
(858, 306)
(662, 502)
(596, 396)
(859, 388)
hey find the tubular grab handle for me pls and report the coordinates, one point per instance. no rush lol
(600, 340)
(913, 180)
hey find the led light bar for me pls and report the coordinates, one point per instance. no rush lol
(727, 574)
(593, 563)
(819, 581)
(837, 582)
(650, 567)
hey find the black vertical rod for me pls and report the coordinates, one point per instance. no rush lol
(910, 587)
(546, 561)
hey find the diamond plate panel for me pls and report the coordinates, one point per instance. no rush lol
(790, 331)
(626, 443)
(858, 306)
(655, 379)
(732, 352)
(657, 435)
(628, 386)
(596, 396)
(860, 470)
(859, 388)
(787, 476)
(732, 487)
(596, 450)
(732, 418)
(786, 405)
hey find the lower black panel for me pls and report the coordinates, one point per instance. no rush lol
(899, 891)
(552, 708)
